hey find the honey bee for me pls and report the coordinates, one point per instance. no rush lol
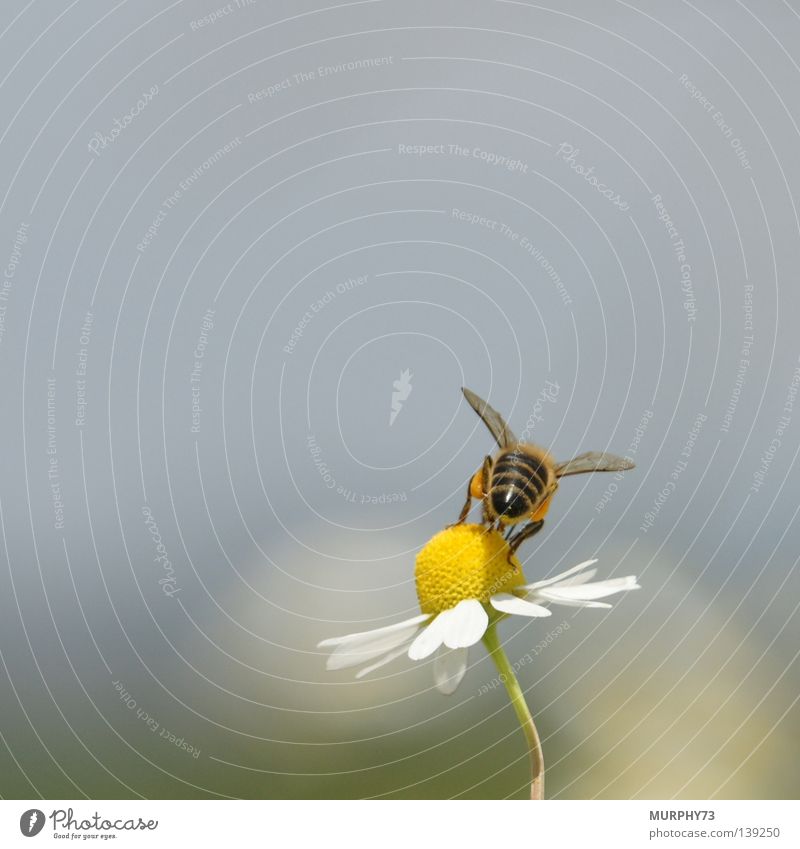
(517, 484)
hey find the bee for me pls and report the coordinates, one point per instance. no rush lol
(517, 484)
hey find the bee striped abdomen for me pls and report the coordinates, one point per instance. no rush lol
(519, 482)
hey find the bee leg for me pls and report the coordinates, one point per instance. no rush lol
(486, 483)
(526, 533)
(465, 509)
(492, 524)
(477, 489)
(486, 474)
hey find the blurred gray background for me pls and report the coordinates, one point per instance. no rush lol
(228, 230)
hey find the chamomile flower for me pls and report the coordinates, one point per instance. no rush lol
(467, 579)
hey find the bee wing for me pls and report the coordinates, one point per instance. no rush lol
(593, 461)
(491, 418)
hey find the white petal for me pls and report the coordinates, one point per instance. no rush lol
(583, 578)
(429, 639)
(372, 644)
(548, 596)
(368, 635)
(554, 580)
(466, 624)
(459, 627)
(345, 657)
(449, 668)
(382, 662)
(599, 589)
(507, 603)
(541, 594)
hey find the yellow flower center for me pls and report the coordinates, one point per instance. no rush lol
(464, 561)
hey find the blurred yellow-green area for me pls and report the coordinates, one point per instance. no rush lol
(665, 696)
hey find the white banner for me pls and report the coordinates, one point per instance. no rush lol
(381, 824)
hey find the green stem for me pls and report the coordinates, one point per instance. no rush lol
(507, 676)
